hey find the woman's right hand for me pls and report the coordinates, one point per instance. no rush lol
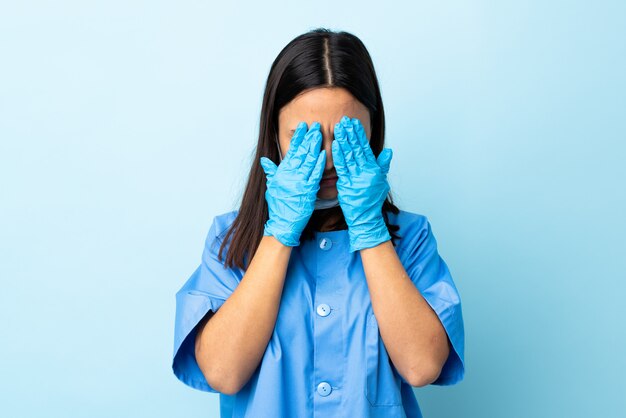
(292, 186)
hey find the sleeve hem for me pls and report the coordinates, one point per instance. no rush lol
(184, 364)
(193, 383)
(453, 369)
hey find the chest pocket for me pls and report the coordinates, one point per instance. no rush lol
(383, 385)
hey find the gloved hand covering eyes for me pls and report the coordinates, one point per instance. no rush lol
(362, 184)
(292, 186)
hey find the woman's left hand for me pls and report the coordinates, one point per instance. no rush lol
(362, 185)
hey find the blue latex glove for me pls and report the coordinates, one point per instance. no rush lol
(292, 186)
(361, 184)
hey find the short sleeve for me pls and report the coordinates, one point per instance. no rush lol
(207, 289)
(422, 262)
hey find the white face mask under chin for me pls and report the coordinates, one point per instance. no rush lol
(326, 203)
(319, 202)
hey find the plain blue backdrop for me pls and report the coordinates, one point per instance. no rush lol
(126, 126)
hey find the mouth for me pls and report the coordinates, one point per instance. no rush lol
(328, 181)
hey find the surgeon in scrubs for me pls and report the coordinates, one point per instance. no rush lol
(318, 296)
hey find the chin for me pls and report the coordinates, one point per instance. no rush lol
(327, 193)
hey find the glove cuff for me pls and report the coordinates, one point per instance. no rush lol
(369, 239)
(286, 238)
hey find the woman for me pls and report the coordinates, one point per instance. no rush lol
(345, 303)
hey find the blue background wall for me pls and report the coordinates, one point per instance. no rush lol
(126, 126)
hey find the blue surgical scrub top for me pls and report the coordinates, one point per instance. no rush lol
(325, 357)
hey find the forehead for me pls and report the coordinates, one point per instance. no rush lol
(324, 105)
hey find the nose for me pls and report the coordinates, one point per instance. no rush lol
(326, 145)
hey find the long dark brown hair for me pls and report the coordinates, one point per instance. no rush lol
(318, 58)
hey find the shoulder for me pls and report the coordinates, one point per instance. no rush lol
(414, 228)
(406, 218)
(219, 226)
(223, 221)
(410, 223)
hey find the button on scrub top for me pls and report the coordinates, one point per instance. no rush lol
(325, 357)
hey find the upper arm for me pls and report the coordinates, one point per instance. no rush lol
(430, 274)
(210, 285)
(201, 326)
(200, 359)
